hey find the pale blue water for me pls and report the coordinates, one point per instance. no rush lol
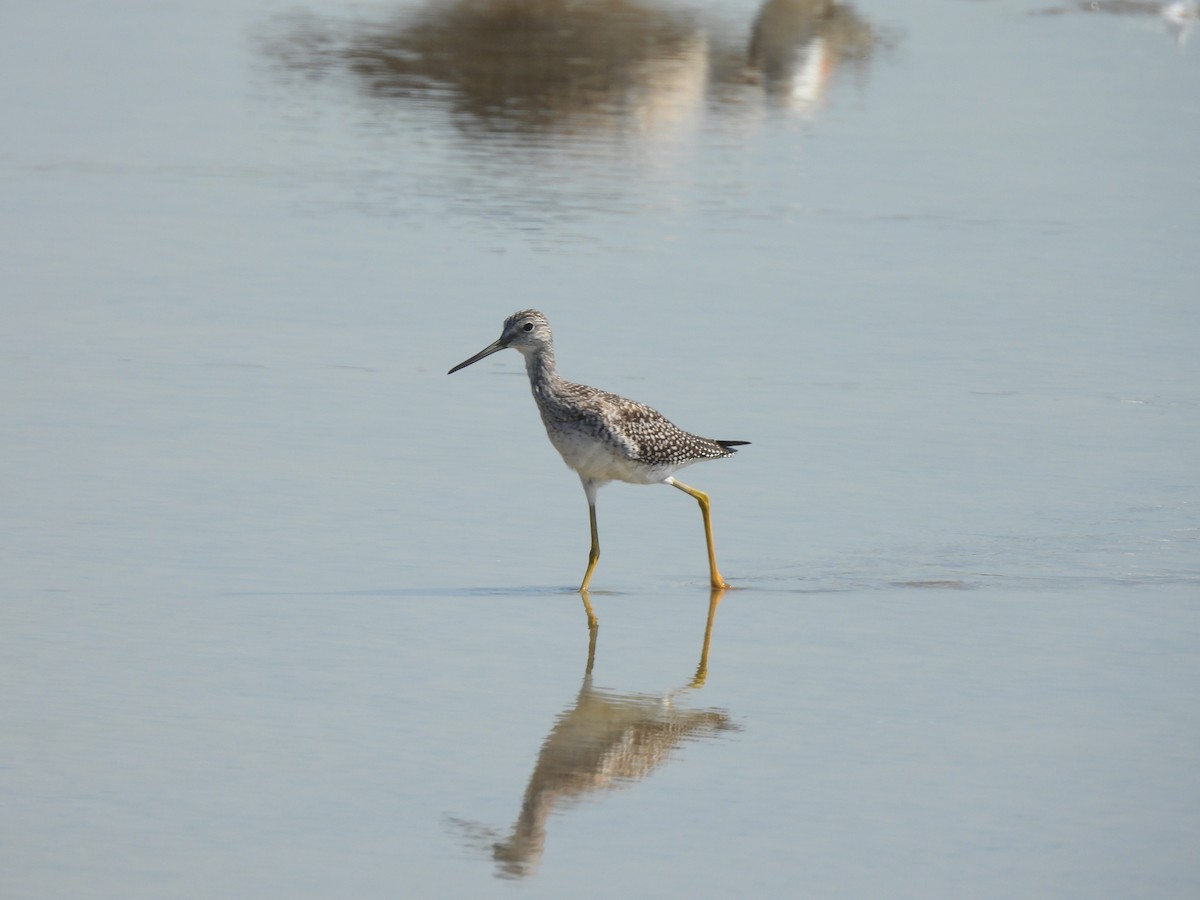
(285, 610)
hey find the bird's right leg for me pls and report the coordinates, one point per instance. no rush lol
(589, 488)
(594, 553)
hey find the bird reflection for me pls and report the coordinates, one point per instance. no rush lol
(603, 740)
(582, 66)
(796, 45)
(1177, 16)
(520, 65)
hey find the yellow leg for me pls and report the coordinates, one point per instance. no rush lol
(702, 498)
(593, 554)
(702, 670)
(593, 629)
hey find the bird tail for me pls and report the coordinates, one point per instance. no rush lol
(729, 445)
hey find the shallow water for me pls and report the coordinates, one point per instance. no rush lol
(286, 610)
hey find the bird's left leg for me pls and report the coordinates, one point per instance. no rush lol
(702, 498)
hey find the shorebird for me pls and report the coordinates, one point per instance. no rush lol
(602, 436)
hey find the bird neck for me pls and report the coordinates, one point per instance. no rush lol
(539, 363)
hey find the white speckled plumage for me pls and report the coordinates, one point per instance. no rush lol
(602, 436)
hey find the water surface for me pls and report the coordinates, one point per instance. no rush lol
(287, 611)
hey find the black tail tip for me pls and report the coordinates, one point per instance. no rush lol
(727, 445)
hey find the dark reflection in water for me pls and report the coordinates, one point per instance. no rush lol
(602, 740)
(583, 66)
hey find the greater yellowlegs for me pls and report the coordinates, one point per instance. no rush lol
(601, 436)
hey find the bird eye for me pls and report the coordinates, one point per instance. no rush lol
(529, 326)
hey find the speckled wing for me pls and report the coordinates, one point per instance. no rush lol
(649, 437)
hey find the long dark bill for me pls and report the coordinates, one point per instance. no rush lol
(486, 351)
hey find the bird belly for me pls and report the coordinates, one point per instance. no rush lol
(599, 461)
